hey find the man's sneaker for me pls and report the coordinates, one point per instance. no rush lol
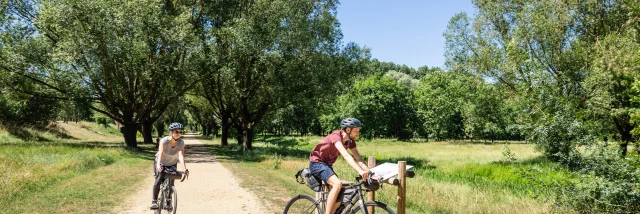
(154, 205)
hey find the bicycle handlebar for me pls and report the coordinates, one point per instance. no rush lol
(368, 180)
(175, 176)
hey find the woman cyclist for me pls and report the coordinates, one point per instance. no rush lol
(170, 152)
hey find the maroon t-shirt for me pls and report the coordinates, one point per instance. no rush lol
(326, 150)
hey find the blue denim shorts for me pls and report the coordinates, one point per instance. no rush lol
(321, 170)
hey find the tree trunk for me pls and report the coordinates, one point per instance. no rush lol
(129, 132)
(204, 131)
(623, 147)
(225, 130)
(210, 130)
(147, 132)
(248, 138)
(215, 129)
(160, 129)
(624, 129)
(239, 134)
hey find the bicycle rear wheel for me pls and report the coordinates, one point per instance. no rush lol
(378, 207)
(302, 204)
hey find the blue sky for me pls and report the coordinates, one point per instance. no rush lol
(401, 31)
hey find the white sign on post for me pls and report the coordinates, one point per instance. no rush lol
(387, 170)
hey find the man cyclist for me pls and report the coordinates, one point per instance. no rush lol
(170, 152)
(325, 153)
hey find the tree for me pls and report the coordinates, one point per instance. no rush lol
(441, 98)
(203, 114)
(542, 52)
(382, 104)
(490, 114)
(403, 79)
(378, 67)
(609, 83)
(129, 57)
(272, 54)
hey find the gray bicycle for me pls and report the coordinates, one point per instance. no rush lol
(168, 200)
(351, 196)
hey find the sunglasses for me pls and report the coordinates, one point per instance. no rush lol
(178, 132)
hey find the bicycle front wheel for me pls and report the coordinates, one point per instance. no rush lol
(161, 202)
(378, 207)
(302, 204)
(169, 204)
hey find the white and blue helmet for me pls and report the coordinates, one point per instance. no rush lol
(175, 126)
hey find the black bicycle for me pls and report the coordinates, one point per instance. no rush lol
(351, 196)
(168, 200)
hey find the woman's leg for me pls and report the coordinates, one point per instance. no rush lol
(156, 184)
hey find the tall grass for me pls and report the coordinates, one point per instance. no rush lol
(452, 177)
(81, 172)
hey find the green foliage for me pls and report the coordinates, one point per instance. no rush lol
(440, 99)
(104, 121)
(129, 57)
(605, 183)
(277, 161)
(17, 109)
(403, 79)
(568, 67)
(507, 155)
(382, 104)
(272, 55)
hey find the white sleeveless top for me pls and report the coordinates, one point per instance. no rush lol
(170, 155)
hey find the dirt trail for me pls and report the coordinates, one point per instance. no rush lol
(210, 189)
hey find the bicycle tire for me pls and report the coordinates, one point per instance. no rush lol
(307, 205)
(160, 202)
(379, 207)
(174, 202)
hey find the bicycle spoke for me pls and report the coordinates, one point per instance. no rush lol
(302, 204)
(302, 207)
(377, 207)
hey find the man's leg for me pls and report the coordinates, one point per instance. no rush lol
(336, 185)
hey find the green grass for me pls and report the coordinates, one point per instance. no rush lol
(82, 172)
(110, 129)
(452, 177)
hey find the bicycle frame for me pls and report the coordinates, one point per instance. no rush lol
(166, 190)
(355, 200)
(358, 198)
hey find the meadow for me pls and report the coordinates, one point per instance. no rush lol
(452, 177)
(68, 168)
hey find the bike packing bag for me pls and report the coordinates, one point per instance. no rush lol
(347, 194)
(172, 173)
(311, 181)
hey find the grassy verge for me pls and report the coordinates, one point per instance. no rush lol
(453, 177)
(82, 172)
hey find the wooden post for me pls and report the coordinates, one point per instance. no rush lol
(371, 196)
(402, 169)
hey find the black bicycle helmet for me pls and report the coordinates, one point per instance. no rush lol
(351, 123)
(175, 126)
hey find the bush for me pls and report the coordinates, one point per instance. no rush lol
(605, 183)
(103, 121)
(16, 110)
